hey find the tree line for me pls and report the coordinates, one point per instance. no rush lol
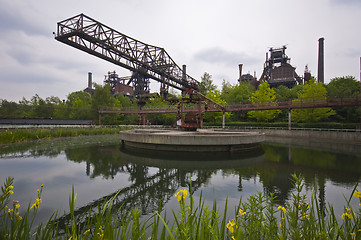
(82, 105)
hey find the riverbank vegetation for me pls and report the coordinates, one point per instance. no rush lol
(258, 217)
(30, 134)
(82, 105)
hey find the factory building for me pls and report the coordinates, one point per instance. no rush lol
(278, 70)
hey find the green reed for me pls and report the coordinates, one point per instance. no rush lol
(258, 217)
(31, 134)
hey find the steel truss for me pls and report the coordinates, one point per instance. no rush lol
(93, 37)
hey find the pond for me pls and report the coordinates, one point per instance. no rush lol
(98, 167)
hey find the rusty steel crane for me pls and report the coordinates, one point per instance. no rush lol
(144, 60)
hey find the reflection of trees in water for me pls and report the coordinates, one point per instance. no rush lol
(316, 166)
(274, 173)
(147, 191)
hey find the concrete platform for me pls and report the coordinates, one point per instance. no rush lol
(199, 141)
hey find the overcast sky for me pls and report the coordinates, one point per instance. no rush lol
(207, 35)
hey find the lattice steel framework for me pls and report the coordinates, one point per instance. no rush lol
(93, 37)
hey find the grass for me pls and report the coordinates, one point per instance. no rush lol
(21, 135)
(258, 217)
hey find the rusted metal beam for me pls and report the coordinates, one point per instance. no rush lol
(304, 103)
(93, 37)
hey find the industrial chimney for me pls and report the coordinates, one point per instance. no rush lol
(90, 80)
(184, 73)
(240, 72)
(321, 70)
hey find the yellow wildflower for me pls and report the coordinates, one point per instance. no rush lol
(280, 225)
(180, 194)
(230, 226)
(282, 208)
(242, 212)
(36, 204)
(87, 231)
(352, 234)
(357, 194)
(10, 210)
(346, 214)
(233, 238)
(17, 206)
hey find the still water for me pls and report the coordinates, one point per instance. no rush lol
(98, 167)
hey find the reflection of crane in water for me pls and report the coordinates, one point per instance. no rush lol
(147, 193)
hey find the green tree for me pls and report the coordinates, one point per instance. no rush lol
(215, 117)
(206, 85)
(264, 94)
(239, 93)
(160, 118)
(284, 93)
(344, 87)
(41, 108)
(102, 99)
(312, 91)
(12, 109)
(80, 104)
(125, 102)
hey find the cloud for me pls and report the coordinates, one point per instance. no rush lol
(13, 20)
(218, 55)
(346, 2)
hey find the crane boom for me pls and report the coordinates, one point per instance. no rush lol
(93, 37)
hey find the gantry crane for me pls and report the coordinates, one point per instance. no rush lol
(144, 60)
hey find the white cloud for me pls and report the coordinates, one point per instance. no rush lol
(207, 36)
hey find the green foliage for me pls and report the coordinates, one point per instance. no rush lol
(258, 217)
(345, 87)
(80, 105)
(214, 117)
(239, 93)
(125, 102)
(21, 135)
(311, 92)
(284, 94)
(102, 99)
(159, 118)
(206, 85)
(264, 94)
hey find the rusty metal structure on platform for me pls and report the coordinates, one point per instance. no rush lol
(278, 70)
(144, 60)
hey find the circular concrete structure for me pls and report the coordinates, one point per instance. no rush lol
(198, 141)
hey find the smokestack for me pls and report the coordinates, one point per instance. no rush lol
(90, 80)
(240, 66)
(321, 70)
(184, 76)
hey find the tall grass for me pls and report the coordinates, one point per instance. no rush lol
(258, 217)
(20, 135)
